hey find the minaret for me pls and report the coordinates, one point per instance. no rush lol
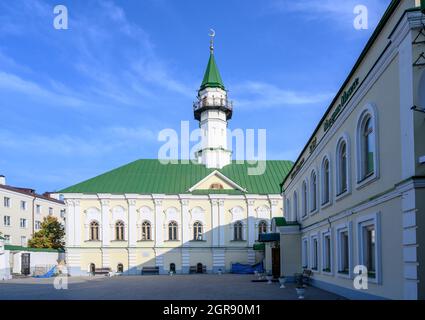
(213, 110)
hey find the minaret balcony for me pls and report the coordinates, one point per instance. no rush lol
(213, 104)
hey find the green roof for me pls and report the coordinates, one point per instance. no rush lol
(212, 78)
(150, 176)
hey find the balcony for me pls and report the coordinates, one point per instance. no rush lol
(213, 103)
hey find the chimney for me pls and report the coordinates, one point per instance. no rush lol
(2, 180)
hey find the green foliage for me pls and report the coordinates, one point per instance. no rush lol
(50, 236)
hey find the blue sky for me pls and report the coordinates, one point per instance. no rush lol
(75, 103)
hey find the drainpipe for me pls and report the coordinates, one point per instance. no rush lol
(33, 216)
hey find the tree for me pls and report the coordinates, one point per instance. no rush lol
(50, 236)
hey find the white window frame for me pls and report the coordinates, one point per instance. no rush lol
(38, 208)
(7, 202)
(312, 212)
(322, 183)
(295, 206)
(305, 200)
(8, 220)
(23, 223)
(37, 225)
(364, 221)
(338, 231)
(288, 208)
(24, 206)
(345, 138)
(304, 253)
(314, 237)
(369, 110)
(7, 238)
(324, 235)
(24, 238)
(51, 211)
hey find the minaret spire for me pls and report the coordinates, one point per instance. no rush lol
(213, 111)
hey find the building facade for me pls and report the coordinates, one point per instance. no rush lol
(357, 190)
(22, 211)
(178, 216)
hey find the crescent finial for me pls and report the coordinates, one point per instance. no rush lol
(212, 35)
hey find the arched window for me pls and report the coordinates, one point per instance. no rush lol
(342, 167)
(94, 231)
(262, 227)
(172, 231)
(304, 199)
(368, 148)
(120, 268)
(295, 207)
(367, 157)
(326, 177)
(313, 191)
(119, 231)
(197, 231)
(238, 231)
(146, 231)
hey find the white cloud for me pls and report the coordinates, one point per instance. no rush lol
(335, 10)
(100, 143)
(254, 94)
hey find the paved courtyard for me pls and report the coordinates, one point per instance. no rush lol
(177, 287)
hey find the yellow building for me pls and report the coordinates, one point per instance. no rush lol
(355, 195)
(176, 217)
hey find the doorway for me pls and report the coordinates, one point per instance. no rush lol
(25, 264)
(199, 268)
(276, 262)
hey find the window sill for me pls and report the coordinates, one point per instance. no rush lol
(367, 181)
(343, 274)
(312, 213)
(342, 195)
(325, 205)
(171, 240)
(237, 240)
(145, 240)
(327, 272)
(93, 241)
(118, 240)
(198, 241)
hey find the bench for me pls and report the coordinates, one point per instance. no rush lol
(303, 278)
(104, 271)
(150, 270)
(194, 269)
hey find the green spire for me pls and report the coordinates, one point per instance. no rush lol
(212, 78)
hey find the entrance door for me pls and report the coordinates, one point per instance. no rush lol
(276, 262)
(25, 264)
(199, 268)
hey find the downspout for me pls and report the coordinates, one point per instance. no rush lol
(33, 216)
